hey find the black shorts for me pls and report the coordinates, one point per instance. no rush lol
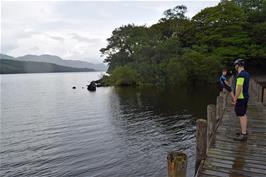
(241, 107)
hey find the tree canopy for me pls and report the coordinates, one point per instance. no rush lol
(178, 49)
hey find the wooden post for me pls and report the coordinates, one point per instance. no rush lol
(201, 140)
(260, 93)
(252, 84)
(223, 95)
(219, 107)
(211, 121)
(177, 164)
(225, 99)
(257, 90)
(264, 95)
(254, 87)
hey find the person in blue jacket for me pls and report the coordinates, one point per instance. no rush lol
(224, 84)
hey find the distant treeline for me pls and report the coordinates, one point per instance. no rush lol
(13, 66)
(178, 49)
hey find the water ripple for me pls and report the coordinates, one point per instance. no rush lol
(48, 129)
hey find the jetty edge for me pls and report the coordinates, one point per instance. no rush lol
(217, 154)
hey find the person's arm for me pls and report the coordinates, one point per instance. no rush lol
(221, 80)
(227, 83)
(239, 87)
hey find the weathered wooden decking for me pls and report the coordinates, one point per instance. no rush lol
(226, 157)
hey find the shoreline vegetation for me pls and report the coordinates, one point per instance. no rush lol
(179, 50)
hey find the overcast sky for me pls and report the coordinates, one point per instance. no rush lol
(78, 29)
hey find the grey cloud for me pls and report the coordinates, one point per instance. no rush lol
(58, 38)
(28, 34)
(84, 39)
(35, 48)
(6, 48)
(31, 33)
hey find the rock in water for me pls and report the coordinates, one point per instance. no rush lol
(74, 87)
(92, 86)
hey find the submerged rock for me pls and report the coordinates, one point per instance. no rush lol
(74, 87)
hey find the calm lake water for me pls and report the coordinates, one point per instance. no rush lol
(49, 129)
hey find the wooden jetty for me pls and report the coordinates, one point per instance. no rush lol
(217, 154)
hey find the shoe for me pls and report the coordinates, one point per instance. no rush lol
(239, 133)
(241, 137)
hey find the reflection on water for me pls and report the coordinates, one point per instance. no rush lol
(49, 129)
(168, 101)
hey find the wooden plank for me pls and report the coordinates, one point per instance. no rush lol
(229, 169)
(207, 175)
(257, 142)
(252, 132)
(213, 173)
(252, 139)
(228, 133)
(230, 156)
(233, 147)
(221, 172)
(234, 155)
(238, 163)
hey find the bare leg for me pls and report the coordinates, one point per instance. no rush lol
(243, 124)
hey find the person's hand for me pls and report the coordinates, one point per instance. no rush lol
(234, 100)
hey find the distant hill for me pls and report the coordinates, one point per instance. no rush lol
(58, 61)
(8, 66)
(2, 56)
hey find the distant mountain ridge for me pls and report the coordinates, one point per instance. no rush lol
(9, 66)
(7, 57)
(58, 61)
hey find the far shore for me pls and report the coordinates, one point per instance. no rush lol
(53, 72)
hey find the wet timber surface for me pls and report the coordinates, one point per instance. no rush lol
(226, 157)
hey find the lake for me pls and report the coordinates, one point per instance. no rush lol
(50, 129)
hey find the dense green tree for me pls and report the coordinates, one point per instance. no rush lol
(178, 49)
(177, 12)
(123, 43)
(176, 73)
(221, 28)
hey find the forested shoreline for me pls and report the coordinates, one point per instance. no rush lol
(178, 49)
